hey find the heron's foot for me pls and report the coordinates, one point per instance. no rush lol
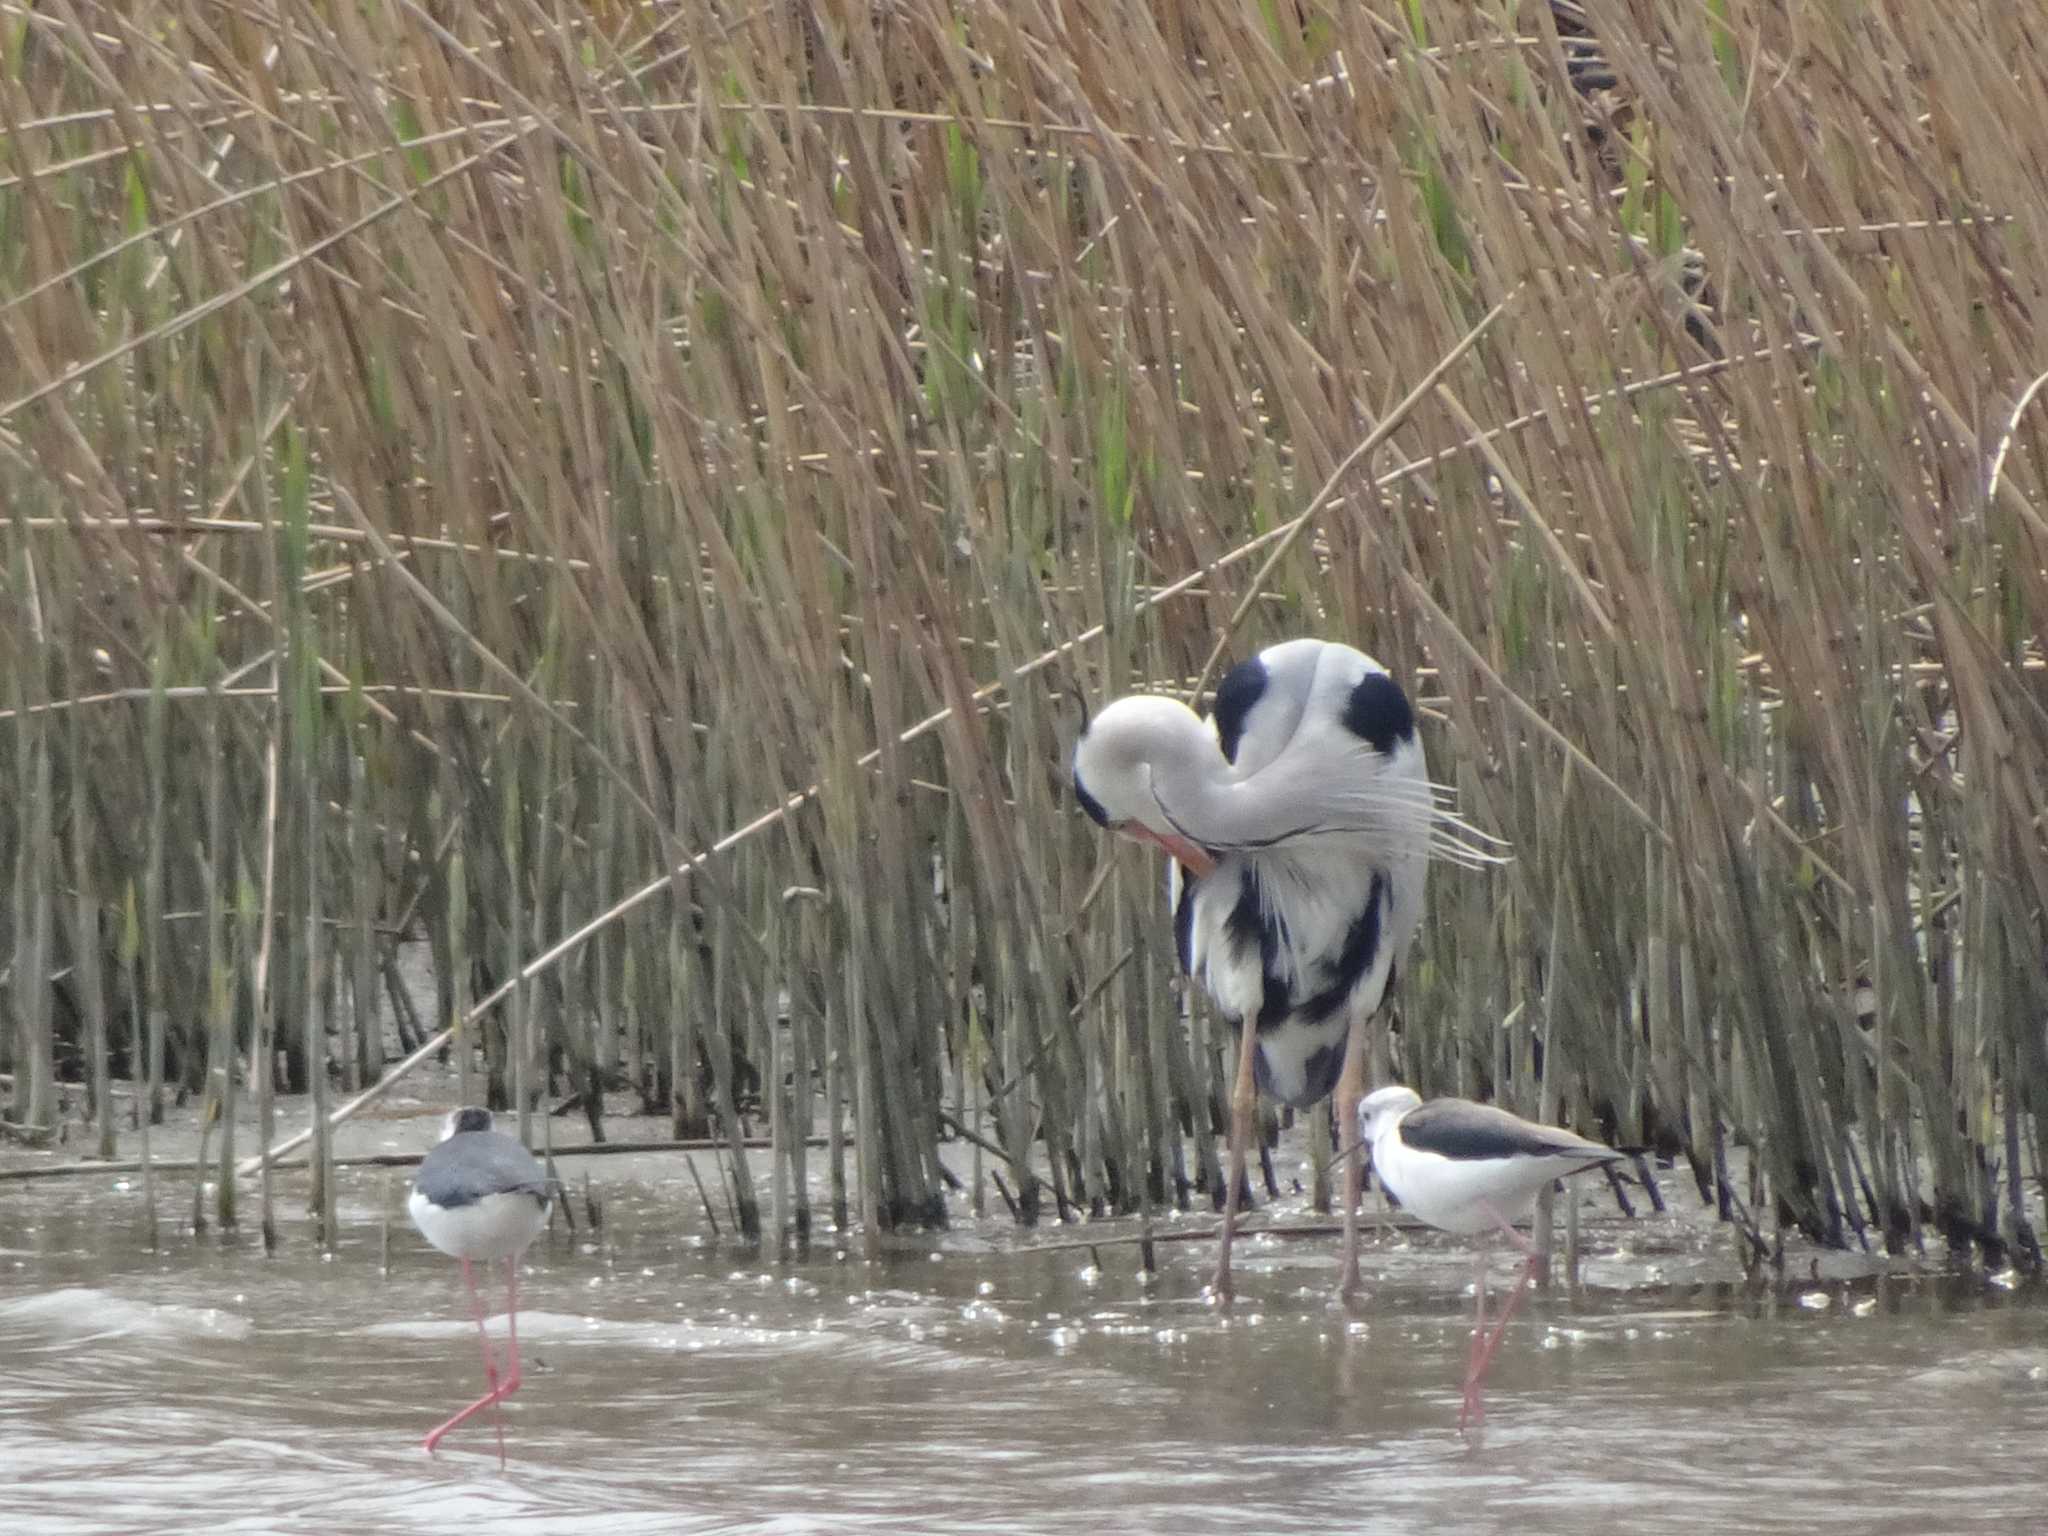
(1221, 1291)
(1349, 1283)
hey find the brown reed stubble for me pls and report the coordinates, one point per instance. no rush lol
(832, 366)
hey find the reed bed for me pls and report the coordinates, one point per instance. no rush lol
(461, 465)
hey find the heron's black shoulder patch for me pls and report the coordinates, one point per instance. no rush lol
(1242, 687)
(1379, 712)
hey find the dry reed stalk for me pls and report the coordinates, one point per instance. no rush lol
(154, 938)
(221, 982)
(88, 943)
(262, 1042)
(803, 410)
(34, 1107)
(131, 969)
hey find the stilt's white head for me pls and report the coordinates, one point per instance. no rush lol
(1380, 1110)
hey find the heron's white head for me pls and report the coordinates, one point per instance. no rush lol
(468, 1118)
(1119, 753)
(1379, 1110)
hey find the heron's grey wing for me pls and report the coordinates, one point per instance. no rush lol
(472, 1164)
(1325, 744)
(1469, 1132)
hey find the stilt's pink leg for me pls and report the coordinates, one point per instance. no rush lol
(1492, 1345)
(502, 1390)
(476, 1309)
(436, 1434)
(499, 1389)
(511, 1326)
(497, 1394)
(490, 1364)
(1514, 1237)
(1472, 1408)
(1475, 1408)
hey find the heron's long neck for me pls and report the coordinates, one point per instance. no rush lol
(1190, 779)
(1211, 805)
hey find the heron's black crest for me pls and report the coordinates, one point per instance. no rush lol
(1379, 712)
(470, 1118)
(1184, 924)
(1241, 688)
(1089, 803)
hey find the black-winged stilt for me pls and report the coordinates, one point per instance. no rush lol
(1471, 1168)
(480, 1197)
(1301, 821)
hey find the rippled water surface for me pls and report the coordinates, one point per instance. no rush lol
(678, 1384)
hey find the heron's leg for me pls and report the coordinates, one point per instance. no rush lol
(1350, 1088)
(1243, 1100)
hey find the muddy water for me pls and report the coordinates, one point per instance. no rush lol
(674, 1383)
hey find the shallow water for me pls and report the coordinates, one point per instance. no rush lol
(677, 1384)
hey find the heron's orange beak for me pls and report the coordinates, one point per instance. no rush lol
(1196, 859)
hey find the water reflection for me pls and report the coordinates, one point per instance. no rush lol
(675, 1385)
